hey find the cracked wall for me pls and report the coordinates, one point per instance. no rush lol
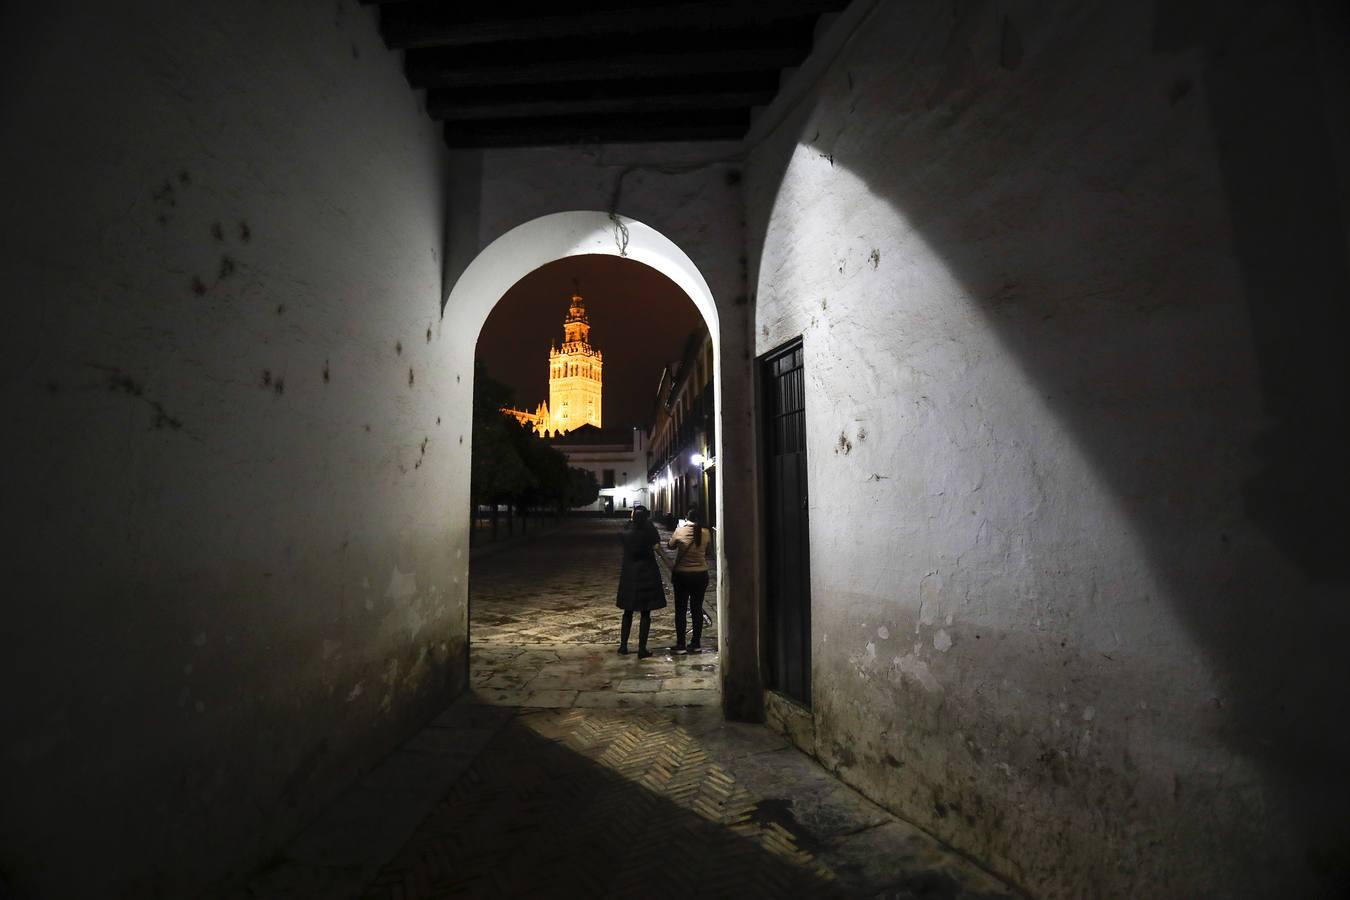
(225, 383)
(1066, 278)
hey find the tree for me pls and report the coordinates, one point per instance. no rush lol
(582, 488)
(499, 473)
(513, 465)
(548, 465)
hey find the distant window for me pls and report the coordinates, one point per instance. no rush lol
(608, 480)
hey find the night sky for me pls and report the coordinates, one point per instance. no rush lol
(639, 321)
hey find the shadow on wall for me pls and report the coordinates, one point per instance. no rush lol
(1132, 283)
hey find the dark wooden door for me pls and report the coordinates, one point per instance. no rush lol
(788, 557)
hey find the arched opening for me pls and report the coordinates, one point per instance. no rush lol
(529, 248)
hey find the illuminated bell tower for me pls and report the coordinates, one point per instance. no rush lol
(574, 376)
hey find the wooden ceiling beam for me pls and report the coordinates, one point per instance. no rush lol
(707, 125)
(408, 26)
(463, 106)
(449, 71)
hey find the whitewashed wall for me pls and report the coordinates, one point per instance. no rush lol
(1071, 281)
(229, 588)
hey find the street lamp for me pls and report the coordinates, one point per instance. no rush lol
(699, 460)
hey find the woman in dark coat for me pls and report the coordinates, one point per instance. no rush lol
(640, 586)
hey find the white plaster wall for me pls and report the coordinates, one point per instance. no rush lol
(690, 193)
(230, 582)
(1064, 276)
(630, 489)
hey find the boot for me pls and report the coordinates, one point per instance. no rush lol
(644, 627)
(624, 630)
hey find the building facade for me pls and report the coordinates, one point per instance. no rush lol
(681, 461)
(575, 380)
(616, 456)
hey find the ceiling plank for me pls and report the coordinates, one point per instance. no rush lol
(449, 71)
(446, 108)
(419, 25)
(709, 125)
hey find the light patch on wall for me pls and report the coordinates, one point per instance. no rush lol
(821, 226)
(942, 641)
(911, 666)
(402, 585)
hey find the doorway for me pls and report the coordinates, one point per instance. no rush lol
(478, 288)
(787, 532)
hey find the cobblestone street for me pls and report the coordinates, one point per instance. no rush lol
(544, 629)
(570, 771)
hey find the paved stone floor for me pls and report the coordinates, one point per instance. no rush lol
(544, 630)
(559, 589)
(569, 771)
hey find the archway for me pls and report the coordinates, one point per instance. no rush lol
(545, 240)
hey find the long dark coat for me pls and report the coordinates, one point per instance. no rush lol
(640, 585)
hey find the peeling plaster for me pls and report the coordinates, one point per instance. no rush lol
(942, 642)
(912, 666)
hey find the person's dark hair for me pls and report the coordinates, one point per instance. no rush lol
(641, 515)
(692, 518)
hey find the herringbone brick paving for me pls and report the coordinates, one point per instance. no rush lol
(569, 771)
(599, 803)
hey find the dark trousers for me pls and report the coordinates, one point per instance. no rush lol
(644, 626)
(689, 590)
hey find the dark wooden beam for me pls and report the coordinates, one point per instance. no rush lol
(451, 71)
(450, 111)
(489, 104)
(416, 25)
(709, 125)
(685, 83)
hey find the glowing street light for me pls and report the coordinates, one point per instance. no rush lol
(697, 459)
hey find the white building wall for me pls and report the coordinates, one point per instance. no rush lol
(630, 471)
(1070, 279)
(224, 524)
